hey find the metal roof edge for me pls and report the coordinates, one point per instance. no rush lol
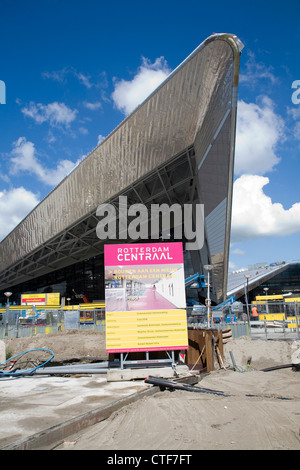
(259, 277)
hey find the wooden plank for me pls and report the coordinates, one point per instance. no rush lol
(194, 358)
(209, 351)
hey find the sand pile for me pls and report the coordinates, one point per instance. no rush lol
(66, 345)
(263, 353)
(259, 410)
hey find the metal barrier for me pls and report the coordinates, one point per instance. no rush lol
(14, 324)
(278, 320)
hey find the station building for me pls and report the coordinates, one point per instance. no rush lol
(280, 278)
(177, 147)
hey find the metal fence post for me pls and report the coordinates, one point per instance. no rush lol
(296, 315)
(266, 329)
(6, 320)
(58, 320)
(17, 324)
(34, 320)
(285, 317)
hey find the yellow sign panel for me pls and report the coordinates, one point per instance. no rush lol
(53, 299)
(132, 331)
(271, 316)
(40, 299)
(33, 299)
(293, 322)
(269, 297)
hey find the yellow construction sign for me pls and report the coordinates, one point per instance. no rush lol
(40, 299)
(152, 330)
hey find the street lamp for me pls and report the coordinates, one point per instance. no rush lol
(267, 306)
(7, 295)
(208, 268)
(247, 276)
(266, 290)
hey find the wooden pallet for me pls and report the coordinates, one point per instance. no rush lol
(227, 335)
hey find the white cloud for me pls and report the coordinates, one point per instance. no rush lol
(85, 79)
(57, 114)
(92, 106)
(83, 130)
(56, 75)
(15, 204)
(297, 131)
(50, 137)
(294, 112)
(259, 131)
(256, 71)
(232, 265)
(238, 251)
(100, 139)
(25, 160)
(129, 94)
(254, 214)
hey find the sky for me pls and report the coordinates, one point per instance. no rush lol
(72, 70)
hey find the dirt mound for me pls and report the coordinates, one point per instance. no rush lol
(258, 411)
(263, 353)
(66, 345)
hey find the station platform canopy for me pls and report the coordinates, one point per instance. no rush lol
(264, 279)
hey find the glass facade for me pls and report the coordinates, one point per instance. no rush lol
(83, 278)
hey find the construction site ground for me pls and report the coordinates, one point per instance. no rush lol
(257, 410)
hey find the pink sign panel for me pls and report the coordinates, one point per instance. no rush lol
(145, 300)
(143, 253)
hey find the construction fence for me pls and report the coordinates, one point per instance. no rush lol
(15, 324)
(276, 320)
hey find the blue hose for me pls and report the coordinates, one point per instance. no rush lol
(26, 371)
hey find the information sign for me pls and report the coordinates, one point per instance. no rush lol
(145, 297)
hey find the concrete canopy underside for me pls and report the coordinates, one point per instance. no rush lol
(176, 147)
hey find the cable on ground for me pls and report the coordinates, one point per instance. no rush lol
(15, 371)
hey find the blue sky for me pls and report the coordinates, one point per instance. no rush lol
(74, 69)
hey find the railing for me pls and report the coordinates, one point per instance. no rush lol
(278, 320)
(14, 324)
